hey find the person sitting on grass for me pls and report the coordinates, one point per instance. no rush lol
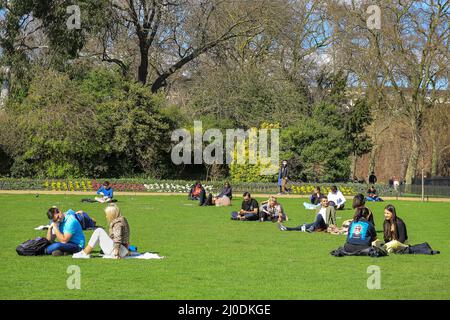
(249, 209)
(336, 198)
(359, 202)
(67, 230)
(224, 197)
(361, 233)
(116, 243)
(198, 192)
(106, 193)
(315, 200)
(271, 210)
(326, 216)
(372, 194)
(394, 228)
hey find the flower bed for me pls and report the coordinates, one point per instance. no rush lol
(180, 186)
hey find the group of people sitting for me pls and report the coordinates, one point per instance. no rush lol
(360, 230)
(335, 199)
(67, 229)
(270, 210)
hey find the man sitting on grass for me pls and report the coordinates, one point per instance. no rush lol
(249, 209)
(326, 216)
(106, 193)
(67, 230)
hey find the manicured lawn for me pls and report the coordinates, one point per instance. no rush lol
(208, 256)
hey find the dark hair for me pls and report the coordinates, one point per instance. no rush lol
(333, 188)
(51, 212)
(358, 201)
(317, 188)
(361, 213)
(227, 183)
(390, 227)
(106, 183)
(246, 193)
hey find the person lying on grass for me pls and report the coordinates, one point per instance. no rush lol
(116, 243)
(106, 193)
(359, 202)
(325, 216)
(361, 233)
(67, 230)
(273, 211)
(336, 198)
(249, 209)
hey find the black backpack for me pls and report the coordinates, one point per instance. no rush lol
(33, 247)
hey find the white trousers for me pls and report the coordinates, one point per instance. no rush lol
(106, 243)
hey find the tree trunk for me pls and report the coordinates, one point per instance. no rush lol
(353, 168)
(414, 155)
(372, 159)
(143, 66)
(434, 153)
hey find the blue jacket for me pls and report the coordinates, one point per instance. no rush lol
(107, 192)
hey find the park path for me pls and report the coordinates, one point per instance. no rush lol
(263, 195)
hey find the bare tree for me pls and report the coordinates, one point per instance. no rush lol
(408, 57)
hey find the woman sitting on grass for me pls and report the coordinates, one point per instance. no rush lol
(359, 202)
(394, 228)
(361, 233)
(116, 243)
(271, 210)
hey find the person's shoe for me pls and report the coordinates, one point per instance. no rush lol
(57, 253)
(281, 227)
(309, 230)
(81, 255)
(303, 228)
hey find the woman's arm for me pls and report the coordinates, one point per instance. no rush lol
(401, 231)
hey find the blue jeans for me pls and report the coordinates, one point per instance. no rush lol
(319, 223)
(64, 247)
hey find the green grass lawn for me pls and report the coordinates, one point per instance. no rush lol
(208, 256)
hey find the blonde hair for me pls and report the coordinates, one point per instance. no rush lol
(272, 198)
(112, 212)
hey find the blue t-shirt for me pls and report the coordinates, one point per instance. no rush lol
(71, 225)
(361, 232)
(106, 192)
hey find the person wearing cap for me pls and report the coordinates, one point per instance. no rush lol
(67, 230)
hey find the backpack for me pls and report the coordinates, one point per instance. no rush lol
(85, 221)
(33, 247)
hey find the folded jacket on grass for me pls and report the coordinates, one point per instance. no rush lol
(136, 255)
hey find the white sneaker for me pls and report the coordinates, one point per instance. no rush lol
(303, 228)
(81, 255)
